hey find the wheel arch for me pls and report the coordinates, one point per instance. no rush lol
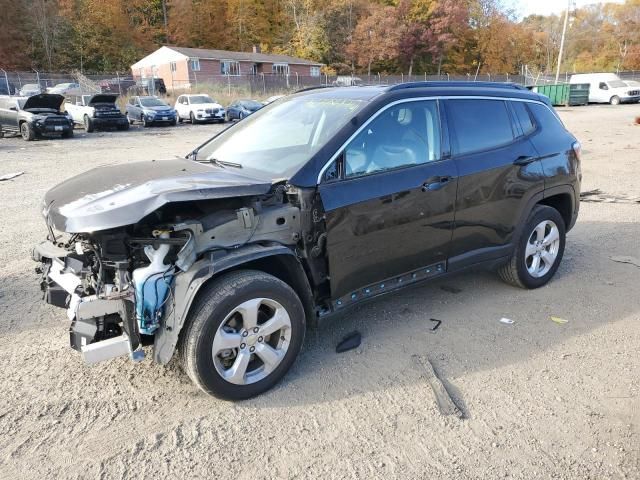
(276, 260)
(563, 203)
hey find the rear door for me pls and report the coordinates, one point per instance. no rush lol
(389, 202)
(499, 171)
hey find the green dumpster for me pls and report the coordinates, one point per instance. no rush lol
(565, 94)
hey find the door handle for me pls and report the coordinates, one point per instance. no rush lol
(435, 183)
(524, 160)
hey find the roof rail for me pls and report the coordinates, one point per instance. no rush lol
(402, 86)
(316, 87)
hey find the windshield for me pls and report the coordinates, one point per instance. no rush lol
(152, 102)
(278, 139)
(250, 104)
(201, 99)
(617, 84)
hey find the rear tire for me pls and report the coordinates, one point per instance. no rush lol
(523, 269)
(222, 348)
(615, 100)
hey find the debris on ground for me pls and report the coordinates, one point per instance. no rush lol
(624, 259)
(9, 176)
(349, 342)
(450, 289)
(598, 196)
(445, 402)
(437, 324)
(507, 321)
(559, 320)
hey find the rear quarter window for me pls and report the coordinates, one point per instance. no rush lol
(479, 124)
(545, 116)
(524, 117)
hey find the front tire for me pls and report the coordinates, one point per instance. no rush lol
(192, 118)
(242, 335)
(539, 250)
(145, 122)
(615, 100)
(27, 132)
(88, 124)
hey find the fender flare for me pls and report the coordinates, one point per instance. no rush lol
(188, 284)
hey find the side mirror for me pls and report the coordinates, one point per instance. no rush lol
(13, 108)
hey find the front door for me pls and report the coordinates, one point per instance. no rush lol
(389, 202)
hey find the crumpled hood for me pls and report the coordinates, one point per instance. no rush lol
(120, 195)
(44, 100)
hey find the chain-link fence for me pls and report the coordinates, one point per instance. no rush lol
(14, 83)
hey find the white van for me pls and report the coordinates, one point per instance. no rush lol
(607, 88)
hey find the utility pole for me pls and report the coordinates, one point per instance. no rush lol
(166, 25)
(564, 32)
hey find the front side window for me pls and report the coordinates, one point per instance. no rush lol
(229, 67)
(277, 140)
(603, 86)
(479, 124)
(403, 135)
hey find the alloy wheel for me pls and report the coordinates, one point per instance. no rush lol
(251, 341)
(542, 248)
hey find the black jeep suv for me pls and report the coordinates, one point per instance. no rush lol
(318, 201)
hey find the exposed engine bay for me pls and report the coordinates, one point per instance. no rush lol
(131, 286)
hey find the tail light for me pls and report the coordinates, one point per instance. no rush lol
(577, 149)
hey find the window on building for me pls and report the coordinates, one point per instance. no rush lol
(314, 71)
(229, 67)
(195, 64)
(173, 66)
(280, 68)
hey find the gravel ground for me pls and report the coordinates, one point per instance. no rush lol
(540, 399)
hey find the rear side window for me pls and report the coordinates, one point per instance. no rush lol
(479, 124)
(523, 116)
(545, 117)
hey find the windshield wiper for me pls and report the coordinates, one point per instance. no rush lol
(224, 163)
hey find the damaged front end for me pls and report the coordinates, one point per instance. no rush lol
(128, 286)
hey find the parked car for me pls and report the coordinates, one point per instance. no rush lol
(607, 88)
(115, 85)
(150, 111)
(66, 89)
(347, 81)
(7, 88)
(96, 112)
(148, 86)
(199, 108)
(319, 202)
(35, 116)
(30, 89)
(242, 108)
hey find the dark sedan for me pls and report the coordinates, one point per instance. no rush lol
(242, 108)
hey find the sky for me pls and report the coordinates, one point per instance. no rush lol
(546, 7)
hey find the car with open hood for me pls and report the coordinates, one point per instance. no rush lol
(35, 116)
(96, 112)
(199, 108)
(316, 203)
(150, 111)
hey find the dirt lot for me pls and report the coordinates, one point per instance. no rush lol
(541, 399)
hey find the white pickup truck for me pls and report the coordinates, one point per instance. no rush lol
(96, 112)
